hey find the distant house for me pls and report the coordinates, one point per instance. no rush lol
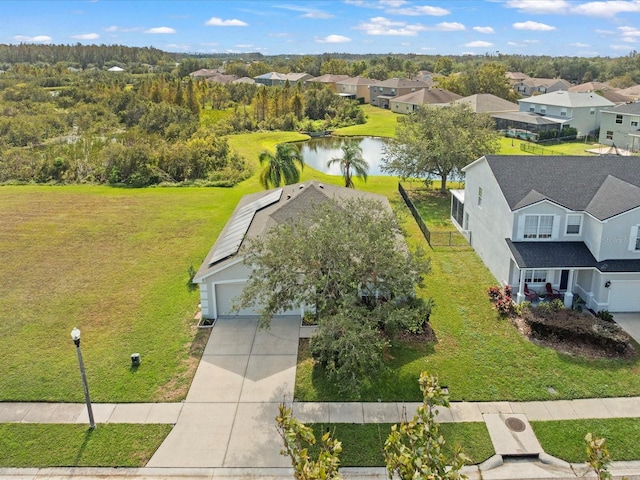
(571, 221)
(275, 79)
(516, 77)
(381, 93)
(204, 73)
(357, 88)
(620, 126)
(221, 78)
(591, 87)
(632, 92)
(536, 86)
(553, 111)
(115, 69)
(410, 102)
(223, 274)
(329, 80)
(488, 103)
(244, 80)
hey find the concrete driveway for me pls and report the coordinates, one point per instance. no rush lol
(630, 322)
(228, 418)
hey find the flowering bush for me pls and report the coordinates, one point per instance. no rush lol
(502, 299)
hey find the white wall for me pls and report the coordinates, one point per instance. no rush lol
(615, 237)
(489, 223)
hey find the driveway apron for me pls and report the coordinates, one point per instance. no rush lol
(228, 417)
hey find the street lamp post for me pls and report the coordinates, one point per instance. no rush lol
(75, 335)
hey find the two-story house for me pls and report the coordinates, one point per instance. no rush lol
(356, 88)
(328, 79)
(536, 86)
(571, 109)
(382, 93)
(275, 79)
(620, 126)
(573, 222)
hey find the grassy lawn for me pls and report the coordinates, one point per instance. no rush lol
(479, 356)
(565, 439)
(109, 445)
(362, 444)
(112, 262)
(380, 123)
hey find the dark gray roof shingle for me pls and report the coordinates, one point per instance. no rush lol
(602, 186)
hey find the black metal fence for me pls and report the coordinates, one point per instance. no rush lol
(537, 149)
(450, 238)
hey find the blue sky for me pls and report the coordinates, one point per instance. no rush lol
(528, 27)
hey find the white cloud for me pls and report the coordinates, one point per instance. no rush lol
(393, 3)
(624, 48)
(160, 30)
(605, 32)
(484, 29)
(629, 34)
(218, 22)
(420, 10)
(478, 44)
(384, 26)
(540, 6)
(333, 39)
(607, 8)
(245, 45)
(34, 39)
(86, 36)
(176, 46)
(308, 12)
(514, 44)
(529, 25)
(447, 27)
(579, 45)
(531, 41)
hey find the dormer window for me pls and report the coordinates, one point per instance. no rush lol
(538, 226)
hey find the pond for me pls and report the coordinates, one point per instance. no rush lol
(318, 151)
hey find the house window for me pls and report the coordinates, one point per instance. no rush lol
(634, 240)
(563, 112)
(618, 118)
(479, 196)
(609, 134)
(592, 111)
(532, 108)
(535, 276)
(538, 226)
(574, 222)
(634, 123)
(543, 109)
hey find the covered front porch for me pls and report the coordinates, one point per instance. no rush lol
(547, 270)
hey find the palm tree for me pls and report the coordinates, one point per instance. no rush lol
(281, 167)
(351, 160)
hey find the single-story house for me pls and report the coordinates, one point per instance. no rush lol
(570, 221)
(223, 274)
(488, 103)
(410, 102)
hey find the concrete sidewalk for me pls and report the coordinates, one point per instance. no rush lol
(319, 412)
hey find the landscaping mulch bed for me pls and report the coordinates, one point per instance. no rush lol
(575, 333)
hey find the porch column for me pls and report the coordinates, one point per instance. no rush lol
(568, 295)
(520, 296)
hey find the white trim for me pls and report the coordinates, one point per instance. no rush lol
(633, 238)
(218, 270)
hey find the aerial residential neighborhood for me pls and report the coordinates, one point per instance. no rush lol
(341, 239)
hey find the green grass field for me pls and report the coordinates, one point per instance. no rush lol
(51, 445)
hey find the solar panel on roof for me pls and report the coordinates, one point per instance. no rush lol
(239, 225)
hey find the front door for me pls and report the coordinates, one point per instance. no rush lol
(564, 279)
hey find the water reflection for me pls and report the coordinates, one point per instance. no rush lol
(318, 151)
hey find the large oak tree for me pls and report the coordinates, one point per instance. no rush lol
(439, 141)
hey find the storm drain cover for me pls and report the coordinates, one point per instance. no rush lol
(515, 424)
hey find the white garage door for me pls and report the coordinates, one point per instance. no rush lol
(624, 296)
(226, 293)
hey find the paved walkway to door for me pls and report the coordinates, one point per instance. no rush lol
(228, 418)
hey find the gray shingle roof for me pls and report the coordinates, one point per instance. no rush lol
(487, 102)
(428, 96)
(543, 255)
(294, 202)
(631, 108)
(569, 99)
(602, 186)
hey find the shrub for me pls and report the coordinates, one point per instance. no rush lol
(605, 315)
(494, 292)
(502, 300)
